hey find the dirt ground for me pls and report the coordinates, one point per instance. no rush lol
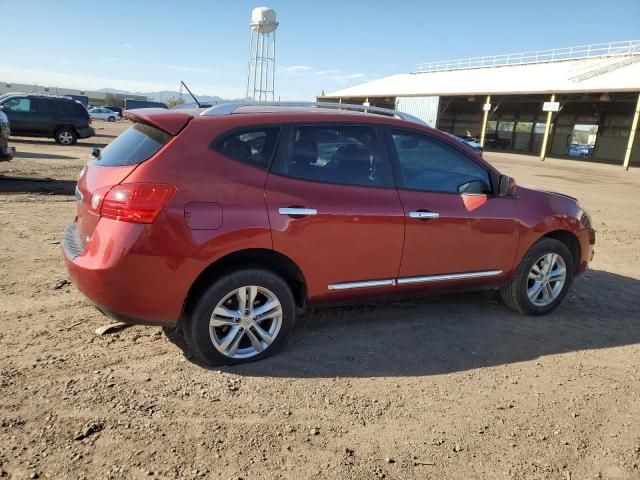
(444, 387)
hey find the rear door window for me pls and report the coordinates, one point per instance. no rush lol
(134, 145)
(341, 154)
(40, 105)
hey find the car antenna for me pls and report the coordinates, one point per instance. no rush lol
(192, 95)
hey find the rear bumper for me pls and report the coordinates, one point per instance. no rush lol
(85, 132)
(128, 286)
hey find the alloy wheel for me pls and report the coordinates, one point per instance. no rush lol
(245, 322)
(65, 138)
(546, 279)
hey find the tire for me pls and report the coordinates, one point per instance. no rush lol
(526, 281)
(111, 119)
(209, 343)
(66, 136)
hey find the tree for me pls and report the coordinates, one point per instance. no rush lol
(112, 100)
(174, 102)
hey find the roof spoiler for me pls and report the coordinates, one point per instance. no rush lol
(169, 121)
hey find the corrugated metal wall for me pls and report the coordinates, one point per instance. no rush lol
(425, 108)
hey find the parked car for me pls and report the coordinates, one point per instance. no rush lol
(132, 104)
(581, 150)
(6, 152)
(493, 141)
(471, 142)
(101, 113)
(36, 115)
(226, 221)
(117, 110)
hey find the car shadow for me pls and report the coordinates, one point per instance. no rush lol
(453, 333)
(51, 186)
(46, 156)
(84, 142)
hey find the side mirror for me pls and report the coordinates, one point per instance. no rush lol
(506, 186)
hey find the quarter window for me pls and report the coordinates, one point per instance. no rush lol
(432, 165)
(254, 147)
(335, 154)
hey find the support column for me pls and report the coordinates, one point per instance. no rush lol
(632, 135)
(485, 116)
(543, 151)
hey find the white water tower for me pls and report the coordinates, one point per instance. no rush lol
(261, 71)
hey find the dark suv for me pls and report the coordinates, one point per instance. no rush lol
(227, 220)
(61, 118)
(6, 152)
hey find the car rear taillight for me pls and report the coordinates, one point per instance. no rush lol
(88, 121)
(95, 203)
(132, 202)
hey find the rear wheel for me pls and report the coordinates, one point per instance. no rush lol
(66, 136)
(242, 317)
(542, 280)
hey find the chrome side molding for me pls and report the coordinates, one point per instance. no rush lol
(410, 280)
(449, 276)
(370, 283)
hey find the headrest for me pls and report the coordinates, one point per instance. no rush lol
(354, 161)
(305, 151)
(236, 148)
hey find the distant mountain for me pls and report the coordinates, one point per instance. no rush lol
(114, 90)
(165, 95)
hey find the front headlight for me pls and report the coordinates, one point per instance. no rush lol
(585, 219)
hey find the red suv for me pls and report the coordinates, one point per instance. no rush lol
(226, 221)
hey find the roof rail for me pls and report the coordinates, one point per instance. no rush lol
(229, 108)
(38, 94)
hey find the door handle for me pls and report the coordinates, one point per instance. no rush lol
(303, 212)
(423, 215)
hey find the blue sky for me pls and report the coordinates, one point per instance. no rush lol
(142, 45)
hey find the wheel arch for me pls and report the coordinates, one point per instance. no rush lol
(256, 258)
(59, 127)
(571, 241)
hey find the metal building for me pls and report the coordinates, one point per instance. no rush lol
(575, 102)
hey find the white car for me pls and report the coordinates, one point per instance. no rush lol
(101, 113)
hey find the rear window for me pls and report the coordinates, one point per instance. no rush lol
(135, 145)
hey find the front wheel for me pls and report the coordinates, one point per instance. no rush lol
(111, 119)
(542, 280)
(242, 317)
